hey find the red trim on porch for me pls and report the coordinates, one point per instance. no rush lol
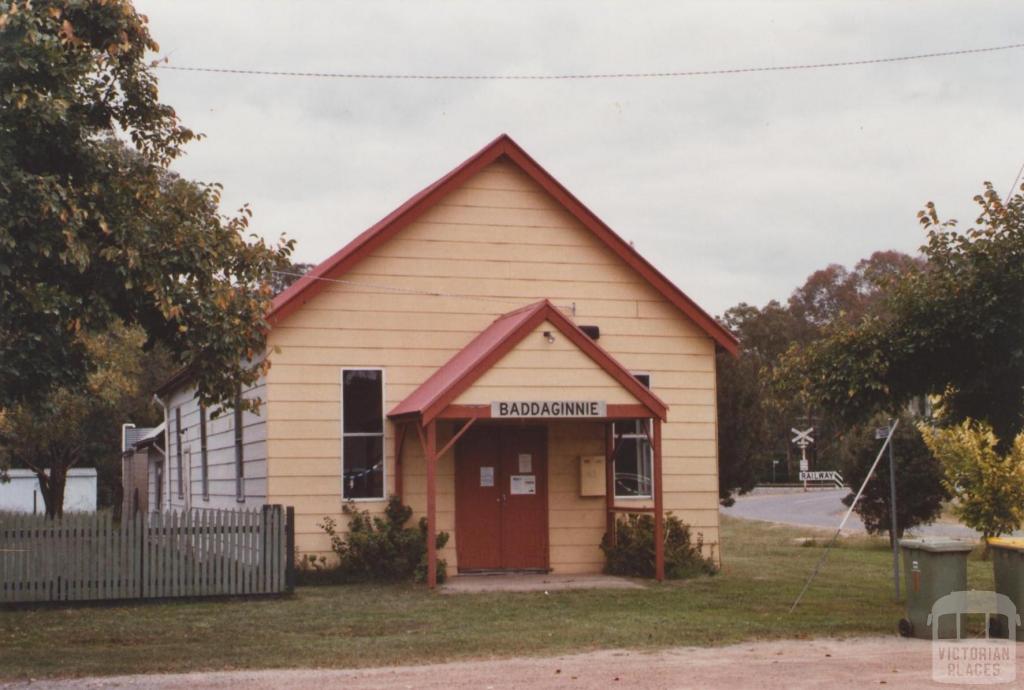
(435, 394)
(428, 441)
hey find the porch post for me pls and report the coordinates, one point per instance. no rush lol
(659, 507)
(609, 481)
(431, 453)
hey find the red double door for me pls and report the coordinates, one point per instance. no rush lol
(501, 499)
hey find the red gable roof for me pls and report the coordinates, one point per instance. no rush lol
(494, 342)
(343, 260)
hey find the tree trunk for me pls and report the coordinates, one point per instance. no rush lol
(51, 486)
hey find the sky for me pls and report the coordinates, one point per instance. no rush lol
(737, 187)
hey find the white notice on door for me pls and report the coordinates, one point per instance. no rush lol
(525, 463)
(523, 484)
(486, 476)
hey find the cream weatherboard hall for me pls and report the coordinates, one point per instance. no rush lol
(491, 352)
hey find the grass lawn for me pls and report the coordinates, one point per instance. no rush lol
(368, 625)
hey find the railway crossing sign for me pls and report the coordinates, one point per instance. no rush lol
(803, 438)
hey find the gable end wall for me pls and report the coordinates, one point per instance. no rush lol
(502, 240)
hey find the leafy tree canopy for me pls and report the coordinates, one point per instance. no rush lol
(755, 413)
(82, 423)
(953, 327)
(94, 229)
(988, 484)
(919, 477)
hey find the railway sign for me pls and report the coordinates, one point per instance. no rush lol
(822, 476)
(803, 438)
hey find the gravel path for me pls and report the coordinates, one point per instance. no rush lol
(790, 664)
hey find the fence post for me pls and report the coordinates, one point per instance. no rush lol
(289, 569)
(142, 524)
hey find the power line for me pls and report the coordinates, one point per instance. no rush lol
(1013, 187)
(581, 76)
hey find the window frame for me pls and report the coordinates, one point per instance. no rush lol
(178, 434)
(204, 466)
(239, 437)
(646, 444)
(382, 434)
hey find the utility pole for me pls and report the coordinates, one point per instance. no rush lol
(881, 433)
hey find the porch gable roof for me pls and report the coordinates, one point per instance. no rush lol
(454, 377)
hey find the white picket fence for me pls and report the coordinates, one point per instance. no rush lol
(199, 553)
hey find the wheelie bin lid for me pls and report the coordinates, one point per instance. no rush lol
(937, 544)
(1016, 543)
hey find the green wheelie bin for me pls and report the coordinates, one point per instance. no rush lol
(932, 568)
(1007, 555)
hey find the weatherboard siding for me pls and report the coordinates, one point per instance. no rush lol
(538, 370)
(220, 438)
(503, 240)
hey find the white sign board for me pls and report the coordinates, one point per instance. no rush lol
(486, 476)
(821, 476)
(525, 463)
(549, 408)
(882, 432)
(803, 438)
(523, 484)
(804, 465)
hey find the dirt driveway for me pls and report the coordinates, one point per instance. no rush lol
(861, 662)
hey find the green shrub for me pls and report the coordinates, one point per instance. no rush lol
(633, 551)
(382, 548)
(311, 570)
(988, 484)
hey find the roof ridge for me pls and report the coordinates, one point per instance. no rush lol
(502, 145)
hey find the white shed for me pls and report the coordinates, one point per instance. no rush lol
(21, 494)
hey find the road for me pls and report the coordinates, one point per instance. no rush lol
(783, 664)
(821, 509)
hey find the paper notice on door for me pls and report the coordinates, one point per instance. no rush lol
(486, 476)
(523, 484)
(525, 463)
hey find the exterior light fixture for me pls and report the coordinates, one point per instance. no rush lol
(549, 337)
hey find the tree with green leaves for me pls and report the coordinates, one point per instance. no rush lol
(952, 328)
(77, 424)
(988, 483)
(753, 422)
(756, 413)
(94, 228)
(919, 477)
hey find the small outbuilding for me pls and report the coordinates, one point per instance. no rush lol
(21, 493)
(142, 468)
(494, 354)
